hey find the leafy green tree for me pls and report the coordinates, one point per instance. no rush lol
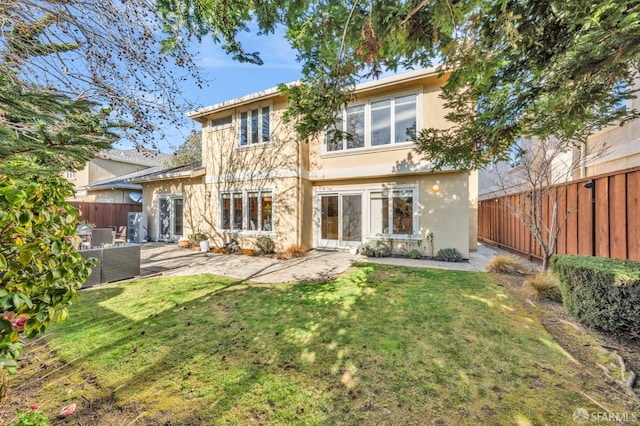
(189, 152)
(516, 68)
(40, 270)
(53, 130)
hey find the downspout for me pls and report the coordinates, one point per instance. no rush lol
(299, 194)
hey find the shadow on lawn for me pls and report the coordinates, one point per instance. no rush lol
(244, 341)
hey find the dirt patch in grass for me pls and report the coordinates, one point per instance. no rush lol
(600, 353)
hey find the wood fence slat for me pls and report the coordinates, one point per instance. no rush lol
(618, 216)
(562, 220)
(602, 217)
(633, 215)
(571, 232)
(585, 218)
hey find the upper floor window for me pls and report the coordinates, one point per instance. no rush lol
(376, 123)
(221, 122)
(69, 175)
(255, 126)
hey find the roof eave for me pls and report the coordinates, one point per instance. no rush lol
(170, 176)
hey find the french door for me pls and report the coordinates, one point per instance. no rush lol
(170, 218)
(340, 220)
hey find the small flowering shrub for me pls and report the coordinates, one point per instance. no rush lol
(34, 417)
(40, 269)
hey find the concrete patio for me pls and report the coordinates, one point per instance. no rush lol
(168, 259)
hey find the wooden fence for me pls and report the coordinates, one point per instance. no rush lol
(105, 215)
(602, 218)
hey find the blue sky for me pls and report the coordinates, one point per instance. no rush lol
(228, 79)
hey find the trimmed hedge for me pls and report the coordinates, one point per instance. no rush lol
(600, 292)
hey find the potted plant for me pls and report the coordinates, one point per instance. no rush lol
(200, 239)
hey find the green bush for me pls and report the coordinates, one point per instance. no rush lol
(415, 254)
(601, 293)
(265, 245)
(31, 418)
(195, 238)
(376, 248)
(40, 270)
(449, 255)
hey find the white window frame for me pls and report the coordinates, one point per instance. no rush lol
(221, 126)
(368, 124)
(70, 175)
(245, 211)
(415, 222)
(171, 197)
(366, 190)
(248, 111)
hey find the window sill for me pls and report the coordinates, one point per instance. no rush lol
(246, 233)
(395, 237)
(367, 150)
(253, 146)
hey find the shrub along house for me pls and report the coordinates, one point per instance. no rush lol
(258, 178)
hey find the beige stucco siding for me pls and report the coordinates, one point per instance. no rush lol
(386, 159)
(442, 209)
(223, 155)
(286, 199)
(196, 215)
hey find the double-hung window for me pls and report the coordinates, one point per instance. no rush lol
(250, 210)
(376, 123)
(255, 126)
(391, 212)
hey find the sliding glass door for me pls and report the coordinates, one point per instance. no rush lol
(340, 220)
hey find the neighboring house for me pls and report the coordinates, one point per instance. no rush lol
(104, 179)
(259, 179)
(609, 150)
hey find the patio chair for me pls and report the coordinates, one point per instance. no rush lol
(101, 236)
(120, 235)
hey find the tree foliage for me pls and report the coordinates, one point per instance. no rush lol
(56, 132)
(40, 270)
(189, 152)
(517, 67)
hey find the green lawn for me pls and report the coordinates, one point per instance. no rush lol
(381, 345)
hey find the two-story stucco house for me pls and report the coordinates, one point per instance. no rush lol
(259, 179)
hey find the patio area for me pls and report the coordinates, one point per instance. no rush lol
(168, 259)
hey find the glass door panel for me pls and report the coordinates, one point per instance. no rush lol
(178, 214)
(329, 217)
(351, 219)
(164, 218)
